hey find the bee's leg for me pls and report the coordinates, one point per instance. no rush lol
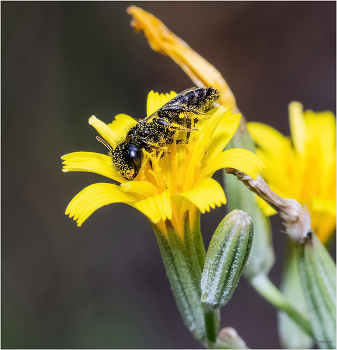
(162, 149)
(184, 142)
(157, 147)
(190, 115)
(179, 127)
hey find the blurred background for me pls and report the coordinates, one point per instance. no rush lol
(104, 285)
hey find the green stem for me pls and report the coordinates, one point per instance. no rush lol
(268, 290)
(210, 327)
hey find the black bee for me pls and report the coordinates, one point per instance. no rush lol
(159, 129)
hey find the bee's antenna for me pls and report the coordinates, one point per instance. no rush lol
(105, 143)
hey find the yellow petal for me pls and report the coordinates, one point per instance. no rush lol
(205, 195)
(328, 186)
(156, 208)
(321, 136)
(156, 101)
(283, 173)
(324, 205)
(162, 40)
(267, 137)
(93, 197)
(236, 158)
(151, 101)
(166, 169)
(105, 131)
(297, 126)
(279, 157)
(180, 206)
(324, 225)
(143, 188)
(91, 162)
(221, 136)
(266, 208)
(201, 145)
(323, 126)
(122, 124)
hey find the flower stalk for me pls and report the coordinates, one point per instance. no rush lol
(211, 331)
(267, 289)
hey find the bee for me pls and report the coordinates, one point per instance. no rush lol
(158, 130)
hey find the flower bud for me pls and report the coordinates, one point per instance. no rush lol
(229, 339)
(226, 257)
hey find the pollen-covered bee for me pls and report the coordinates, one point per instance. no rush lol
(159, 129)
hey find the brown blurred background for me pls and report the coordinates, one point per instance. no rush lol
(104, 285)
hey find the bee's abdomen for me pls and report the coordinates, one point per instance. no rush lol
(200, 99)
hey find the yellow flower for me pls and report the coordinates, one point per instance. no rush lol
(303, 167)
(168, 187)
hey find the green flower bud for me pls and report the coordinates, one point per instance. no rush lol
(318, 277)
(226, 257)
(229, 339)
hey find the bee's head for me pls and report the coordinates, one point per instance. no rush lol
(127, 158)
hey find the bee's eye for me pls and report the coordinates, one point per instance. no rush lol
(135, 155)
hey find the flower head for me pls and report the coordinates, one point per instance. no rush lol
(303, 167)
(168, 187)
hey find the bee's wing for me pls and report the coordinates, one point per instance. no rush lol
(150, 117)
(173, 105)
(177, 99)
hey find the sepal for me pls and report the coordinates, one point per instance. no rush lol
(183, 259)
(318, 278)
(292, 336)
